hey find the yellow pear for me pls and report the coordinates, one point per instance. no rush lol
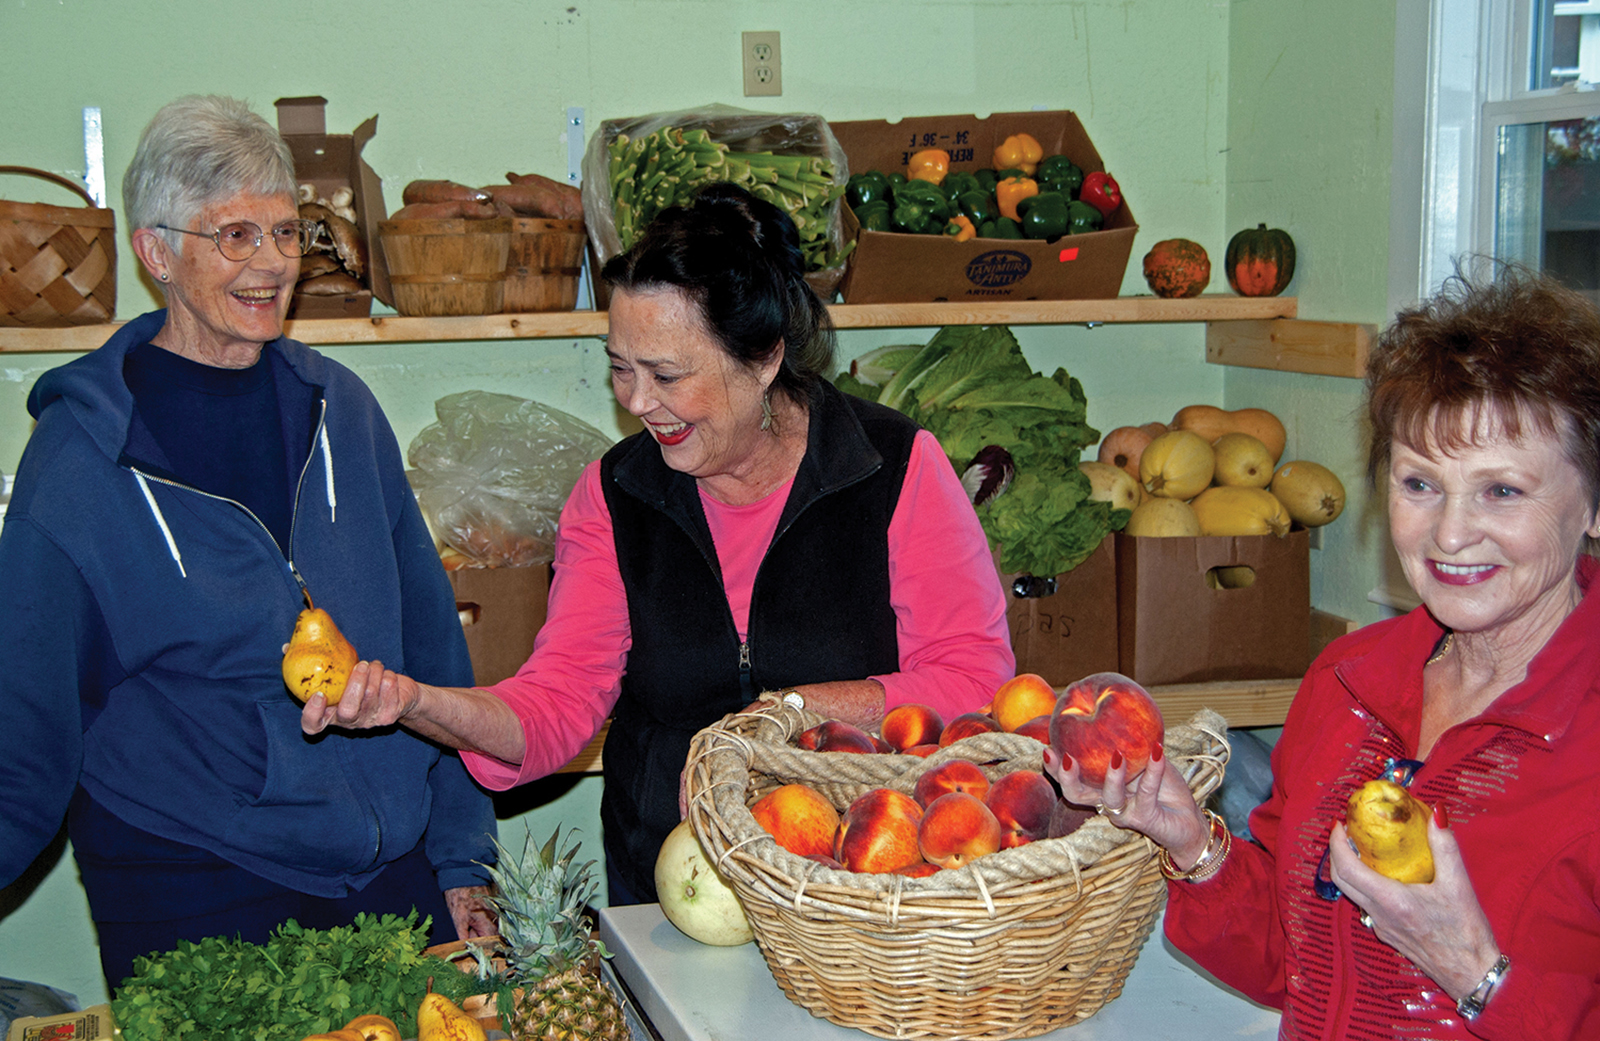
(1162, 518)
(1240, 511)
(318, 659)
(440, 1019)
(1311, 492)
(1390, 828)
(1242, 461)
(374, 1028)
(1111, 484)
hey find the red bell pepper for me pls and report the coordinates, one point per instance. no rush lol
(1101, 191)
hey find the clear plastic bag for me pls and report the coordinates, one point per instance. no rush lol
(742, 130)
(492, 474)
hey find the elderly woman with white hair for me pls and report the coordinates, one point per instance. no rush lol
(187, 484)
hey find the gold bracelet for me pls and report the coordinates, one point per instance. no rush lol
(1211, 857)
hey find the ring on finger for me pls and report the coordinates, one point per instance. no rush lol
(1115, 812)
(1366, 919)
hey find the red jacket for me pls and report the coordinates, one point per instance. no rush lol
(1522, 786)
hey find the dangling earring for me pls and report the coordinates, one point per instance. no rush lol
(766, 410)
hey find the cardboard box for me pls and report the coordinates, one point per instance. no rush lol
(1179, 623)
(333, 161)
(1065, 628)
(896, 268)
(501, 611)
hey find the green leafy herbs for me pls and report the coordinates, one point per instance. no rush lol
(971, 387)
(300, 982)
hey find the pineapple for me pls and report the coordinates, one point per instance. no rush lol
(549, 953)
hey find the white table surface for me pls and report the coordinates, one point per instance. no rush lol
(692, 992)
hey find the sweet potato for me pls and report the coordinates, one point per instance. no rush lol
(456, 210)
(541, 197)
(441, 191)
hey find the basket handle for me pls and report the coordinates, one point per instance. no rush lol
(47, 175)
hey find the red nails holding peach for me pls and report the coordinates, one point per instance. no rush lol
(1116, 760)
(1156, 752)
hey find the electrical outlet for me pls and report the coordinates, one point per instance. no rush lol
(763, 64)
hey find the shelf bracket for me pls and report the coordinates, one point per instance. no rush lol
(1320, 348)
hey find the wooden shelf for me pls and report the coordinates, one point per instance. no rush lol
(1267, 338)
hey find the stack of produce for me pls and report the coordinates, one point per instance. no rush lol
(1025, 194)
(1013, 434)
(1213, 472)
(526, 195)
(337, 262)
(665, 167)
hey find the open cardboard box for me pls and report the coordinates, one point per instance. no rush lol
(1178, 622)
(501, 611)
(889, 267)
(1065, 628)
(333, 161)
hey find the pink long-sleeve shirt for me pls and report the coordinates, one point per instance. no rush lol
(950, 611)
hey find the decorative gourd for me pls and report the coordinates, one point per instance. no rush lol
(1177, 268)
(1260, 261)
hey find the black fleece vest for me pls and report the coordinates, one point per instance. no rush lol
(819, 610)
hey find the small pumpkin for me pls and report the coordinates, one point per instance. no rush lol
(1177, 268)
(1259, 261)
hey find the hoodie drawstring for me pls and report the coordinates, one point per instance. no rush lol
(161, 521)
(327, 469)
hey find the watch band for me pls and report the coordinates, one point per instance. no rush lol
(1472, 1004)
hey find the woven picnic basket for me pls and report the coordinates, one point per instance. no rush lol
(58, 264)
(1016, 944)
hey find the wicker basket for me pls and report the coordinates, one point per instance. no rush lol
(546, 261)
(58, 264)
(447, 267)
(1016, 944)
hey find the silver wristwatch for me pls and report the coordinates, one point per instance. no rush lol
(1472, 1004)
(792, 697)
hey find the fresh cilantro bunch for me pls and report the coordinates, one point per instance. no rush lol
(300, 982)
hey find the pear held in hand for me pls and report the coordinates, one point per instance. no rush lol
(1390, 828)
(440, 1019)
(318, 658)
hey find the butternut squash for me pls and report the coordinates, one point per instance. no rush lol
(1211, 422)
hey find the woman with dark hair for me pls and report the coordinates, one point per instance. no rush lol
(765, 535)
(1484, 405)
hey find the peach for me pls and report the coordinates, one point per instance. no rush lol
(826, 861)
(1022, 802)
(1066, 818)
(956, 829)
(921, 869)
(799, 818)
(966, 725)
(922, 750)
(1103, 714)
(1021, 698)
(1123, 446)
(834, 735)
(1037, 728)
(957, 775)
(906, 726)
(808, 738)
(878, 832)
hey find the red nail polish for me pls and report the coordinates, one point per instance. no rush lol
(1116, 760)
(1156, 752)
(1441, 817)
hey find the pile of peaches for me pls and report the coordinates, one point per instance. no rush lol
(956, 813)
(1211, 472)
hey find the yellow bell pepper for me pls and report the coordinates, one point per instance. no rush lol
(1019, 152)
(960, 228)
(930, 164)
(1013, 190)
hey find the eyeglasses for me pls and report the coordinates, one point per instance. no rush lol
(240, 240)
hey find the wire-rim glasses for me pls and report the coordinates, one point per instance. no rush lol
(240, 240)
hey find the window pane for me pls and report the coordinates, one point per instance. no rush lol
(1566, 43)
(1547, 199)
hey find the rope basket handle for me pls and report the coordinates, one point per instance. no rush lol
(47, 175)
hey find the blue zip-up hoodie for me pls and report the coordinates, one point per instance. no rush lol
(143, 634)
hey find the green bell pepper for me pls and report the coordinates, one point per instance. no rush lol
(1043, 216)
(987, 179)
(864, 187)
(978, 205)
(1000, 228)
(1057, 173)
(958, 184)
(920, 208)
(1082, 217)
(873, 215)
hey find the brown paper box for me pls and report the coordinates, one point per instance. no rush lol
(333, 161)
(896, 268)
(1175, 626)
(501, 611)
(1069, 633)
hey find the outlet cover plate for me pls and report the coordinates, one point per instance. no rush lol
(763, 64)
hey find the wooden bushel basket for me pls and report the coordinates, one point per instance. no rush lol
(546, 261)
(58, 264)
(447, 267)
(1015, 944)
